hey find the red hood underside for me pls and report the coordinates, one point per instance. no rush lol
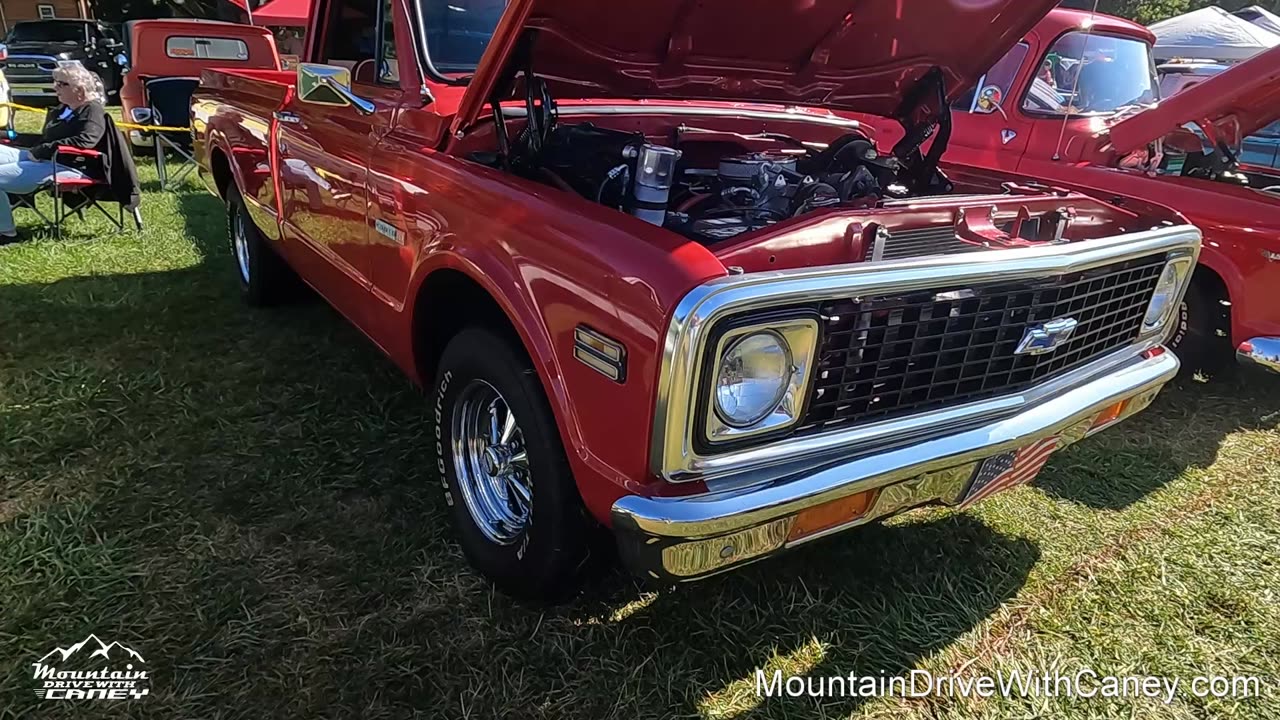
(1235, 103)
(855, 55)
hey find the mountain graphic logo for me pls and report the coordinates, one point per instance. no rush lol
(93, 644)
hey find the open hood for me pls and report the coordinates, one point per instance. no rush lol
(1230, 105)
(854, 55)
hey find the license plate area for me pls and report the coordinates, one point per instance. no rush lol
(1009, 470)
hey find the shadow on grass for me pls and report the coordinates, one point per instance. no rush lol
(1182, 429)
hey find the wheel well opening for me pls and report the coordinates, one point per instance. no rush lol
(220, 168)
(1215, 290)
(448, 302)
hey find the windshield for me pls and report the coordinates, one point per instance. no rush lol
(1106, 73)
(45, 32)
(458, 31)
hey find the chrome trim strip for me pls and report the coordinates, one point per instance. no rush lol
(672, 453)
(724, 512)
(597, 363)
(651, 109)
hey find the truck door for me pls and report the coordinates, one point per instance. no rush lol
(324, 144)
(988, 129)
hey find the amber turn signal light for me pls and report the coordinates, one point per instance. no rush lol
(1110, 415)
(830, 514)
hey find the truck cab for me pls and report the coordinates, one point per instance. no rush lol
(658, 290)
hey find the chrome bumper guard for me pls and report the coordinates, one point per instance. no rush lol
(1261, 352)
(682, 539)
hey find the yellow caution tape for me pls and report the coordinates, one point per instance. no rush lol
(153, 128)
(131, 126)
(16, 106)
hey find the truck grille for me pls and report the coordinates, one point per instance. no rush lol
(30, 68)
(889, 356)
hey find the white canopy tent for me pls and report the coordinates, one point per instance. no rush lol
(1261, 17)
(1210, 34)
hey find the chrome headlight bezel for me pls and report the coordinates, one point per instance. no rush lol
(799, 336)
(1167, 295)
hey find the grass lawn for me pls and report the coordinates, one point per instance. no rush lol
(246, 498)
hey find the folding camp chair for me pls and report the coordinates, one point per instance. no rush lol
(73, 195)
(169, 104)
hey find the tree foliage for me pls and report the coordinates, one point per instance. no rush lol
(121, 10)
(1149, 11)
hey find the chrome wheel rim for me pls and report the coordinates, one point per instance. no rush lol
(241, 242)
(490, 463)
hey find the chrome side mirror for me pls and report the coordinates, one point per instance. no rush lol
(329, 85)
(989, 101)
(123, 61)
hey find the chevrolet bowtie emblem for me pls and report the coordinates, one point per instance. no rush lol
(1046, 337)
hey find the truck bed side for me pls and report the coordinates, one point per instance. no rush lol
(232, 114)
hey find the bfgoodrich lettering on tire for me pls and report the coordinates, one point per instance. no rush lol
(519, 517)
(1199, 337)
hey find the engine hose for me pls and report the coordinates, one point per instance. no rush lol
(692, 201)
(621, 170)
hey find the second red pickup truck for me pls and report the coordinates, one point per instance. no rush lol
(655, 285)
(1077, 104)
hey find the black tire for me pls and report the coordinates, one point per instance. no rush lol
(1199, 336)
(548, 557)
(264, 278)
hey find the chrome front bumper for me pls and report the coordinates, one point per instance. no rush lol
(682, 539)
(1263, 352)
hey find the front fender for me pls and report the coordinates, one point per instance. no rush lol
(553, 262)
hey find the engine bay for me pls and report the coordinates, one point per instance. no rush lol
(707, 184)
(687, 188)
(724, 179)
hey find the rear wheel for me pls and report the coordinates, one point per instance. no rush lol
(264, 278)
(513, 499)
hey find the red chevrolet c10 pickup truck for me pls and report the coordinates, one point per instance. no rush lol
(655, 285)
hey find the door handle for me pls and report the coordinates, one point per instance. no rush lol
(285, 116)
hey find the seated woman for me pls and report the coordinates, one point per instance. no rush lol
(79, 121)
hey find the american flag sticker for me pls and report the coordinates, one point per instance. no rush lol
(1009, 470)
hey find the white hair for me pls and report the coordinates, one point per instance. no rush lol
(84, 82)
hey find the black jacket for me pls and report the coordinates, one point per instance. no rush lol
(118, 167)
(85, 128)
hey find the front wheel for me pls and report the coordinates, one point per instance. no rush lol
(1199, 339)
(513, 499)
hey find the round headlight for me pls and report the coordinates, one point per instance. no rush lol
(1162, 298)
(752, 378)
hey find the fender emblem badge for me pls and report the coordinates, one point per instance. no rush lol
(1046, 337)
(387, 229)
